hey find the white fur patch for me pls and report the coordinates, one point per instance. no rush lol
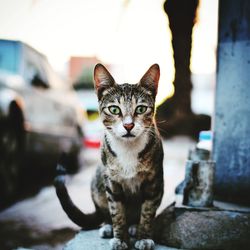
(132, 184)
(106, 231)
(145, 244)
(127, 154)
(117, 244)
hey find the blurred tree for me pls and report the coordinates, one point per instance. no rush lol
(175, 115)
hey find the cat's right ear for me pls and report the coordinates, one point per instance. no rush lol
(102, 79)
(151, 78)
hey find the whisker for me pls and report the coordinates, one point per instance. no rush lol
(162, 121)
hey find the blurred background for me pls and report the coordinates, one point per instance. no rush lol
(48, 50)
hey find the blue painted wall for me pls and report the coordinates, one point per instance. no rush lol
(231, 146)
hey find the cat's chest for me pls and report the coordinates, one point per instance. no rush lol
(127, 163)
(128, 171)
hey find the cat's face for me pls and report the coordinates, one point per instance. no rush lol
(126, 110)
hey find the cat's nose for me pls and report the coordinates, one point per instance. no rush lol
(128, 126)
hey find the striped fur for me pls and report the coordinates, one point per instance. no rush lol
(127, 188)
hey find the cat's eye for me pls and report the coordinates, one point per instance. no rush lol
(141, 109)
(115, 110)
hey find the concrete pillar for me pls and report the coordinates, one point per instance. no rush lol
(232, 108)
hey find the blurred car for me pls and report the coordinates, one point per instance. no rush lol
(39, 114)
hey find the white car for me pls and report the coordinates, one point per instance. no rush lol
(40, 116)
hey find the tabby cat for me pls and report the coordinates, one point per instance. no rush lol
(127, 188)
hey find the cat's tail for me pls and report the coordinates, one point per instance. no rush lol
(85, 221)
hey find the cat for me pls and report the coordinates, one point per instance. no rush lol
(127, 187)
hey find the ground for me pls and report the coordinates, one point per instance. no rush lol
(90, 240)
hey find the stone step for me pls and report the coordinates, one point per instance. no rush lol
(90, 240)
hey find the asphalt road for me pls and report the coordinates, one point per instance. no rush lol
(39, 222)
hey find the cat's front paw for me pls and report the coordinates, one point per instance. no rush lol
(145, 244)
(117, 244)
(106, 231)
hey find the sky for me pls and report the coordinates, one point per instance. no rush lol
(130, 34)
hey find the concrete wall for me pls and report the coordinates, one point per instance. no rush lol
(232, 108)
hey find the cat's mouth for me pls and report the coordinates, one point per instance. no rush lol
(128, 135)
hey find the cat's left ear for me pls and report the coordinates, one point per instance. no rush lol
(151, 78)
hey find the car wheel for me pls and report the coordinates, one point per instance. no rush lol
(73, 162)
(74, 156)
(11, 146)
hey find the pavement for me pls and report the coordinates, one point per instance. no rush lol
(90, 240)
(40, 223)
